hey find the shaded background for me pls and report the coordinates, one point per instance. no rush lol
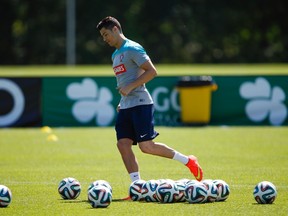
(172, 31)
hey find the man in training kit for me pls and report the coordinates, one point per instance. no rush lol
(135, 124)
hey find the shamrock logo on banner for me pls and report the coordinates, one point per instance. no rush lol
(91, 102)
(264, 101)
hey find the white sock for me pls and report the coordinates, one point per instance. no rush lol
(180, 157)
(134, 176)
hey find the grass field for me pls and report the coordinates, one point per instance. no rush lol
(163, 70)
(32, 167)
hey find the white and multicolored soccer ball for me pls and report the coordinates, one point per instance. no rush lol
(212, 190)
(69, 188)
(181, 184)
(195, 192)
(191, 182)
(100, 182)
(167, 192)
(135, 190)
(100, 196)
(184, 180)
(265, 192)
(223, 190)
(149, 190)
(5, 196)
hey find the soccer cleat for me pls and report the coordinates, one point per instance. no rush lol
(126, 198)
(194, 167)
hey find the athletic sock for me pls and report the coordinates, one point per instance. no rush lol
(134, 176)
(180, 157)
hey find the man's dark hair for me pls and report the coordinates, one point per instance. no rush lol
(108, 23)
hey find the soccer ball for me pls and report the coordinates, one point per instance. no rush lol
(223, 190)
(5, 196)
(191, 182)
(184, 180)
(69, 188)
(265, 192)
(167, 192)
(135, 190)
(181, 187)
(100, 182)
(195, 192)
(149, 191)
(212, 190)
(100, 196)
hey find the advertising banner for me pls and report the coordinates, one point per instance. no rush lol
(239, 100)
(250, 100)
(92, 101)
(20, 102)
(79, 101)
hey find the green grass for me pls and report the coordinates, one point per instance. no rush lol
(32, 167)
(163, 70)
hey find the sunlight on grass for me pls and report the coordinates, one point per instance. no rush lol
(32, 168)
(163, 70)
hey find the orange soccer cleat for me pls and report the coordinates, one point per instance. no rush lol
(195, 168)
(126, 198)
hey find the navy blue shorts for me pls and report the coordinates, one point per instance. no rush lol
(136, 123)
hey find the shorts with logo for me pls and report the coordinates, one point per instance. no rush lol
(136, 123)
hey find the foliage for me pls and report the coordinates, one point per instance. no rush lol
(187, 31)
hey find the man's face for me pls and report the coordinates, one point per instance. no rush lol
(109, 36)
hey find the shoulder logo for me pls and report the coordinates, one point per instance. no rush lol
(121, 57)
(119, 69)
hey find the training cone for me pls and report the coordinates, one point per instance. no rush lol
(52, 137)
(46, 129)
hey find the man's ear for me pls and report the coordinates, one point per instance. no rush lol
(115, 29)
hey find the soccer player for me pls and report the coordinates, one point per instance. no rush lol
(135, 124)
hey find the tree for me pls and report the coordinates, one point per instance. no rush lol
(186, 31)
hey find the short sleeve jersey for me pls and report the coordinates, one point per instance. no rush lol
(126, 65)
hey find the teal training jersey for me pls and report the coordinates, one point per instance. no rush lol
(126, 62)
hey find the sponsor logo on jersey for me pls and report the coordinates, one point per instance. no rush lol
(119, 69)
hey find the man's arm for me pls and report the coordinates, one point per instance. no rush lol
(149, 73)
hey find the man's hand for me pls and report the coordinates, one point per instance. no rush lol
(125, 90)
